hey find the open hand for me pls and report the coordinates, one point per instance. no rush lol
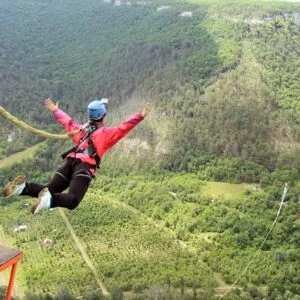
(146, 110)
(50, 104)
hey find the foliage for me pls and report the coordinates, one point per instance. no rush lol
(224, 92)
(218, 79)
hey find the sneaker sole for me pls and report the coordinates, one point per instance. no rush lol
(10, 188)
(35, 206)
(18, 190)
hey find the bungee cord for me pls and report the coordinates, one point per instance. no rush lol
(25, 126)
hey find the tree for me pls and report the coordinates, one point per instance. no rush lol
(116, 293)
(64, 294)
(93, 294)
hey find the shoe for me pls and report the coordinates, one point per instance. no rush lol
(44, 201)
(15, 187)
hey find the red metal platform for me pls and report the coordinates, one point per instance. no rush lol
(9, 258)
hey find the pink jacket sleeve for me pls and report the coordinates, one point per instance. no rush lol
(68, 123)
(113, 134)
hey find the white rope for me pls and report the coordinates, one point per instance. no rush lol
(258, 250)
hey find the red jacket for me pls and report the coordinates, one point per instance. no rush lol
(103, 138)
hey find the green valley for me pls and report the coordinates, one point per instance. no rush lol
(182, 204)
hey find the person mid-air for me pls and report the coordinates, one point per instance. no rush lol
(80, 163)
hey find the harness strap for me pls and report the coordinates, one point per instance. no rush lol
(93, 153)
(91, 150)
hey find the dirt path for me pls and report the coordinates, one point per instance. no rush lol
(222, 286)
(83, 253)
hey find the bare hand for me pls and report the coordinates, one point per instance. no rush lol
(146, 110)
(50, 104)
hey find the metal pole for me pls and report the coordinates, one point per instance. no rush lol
(11, 281)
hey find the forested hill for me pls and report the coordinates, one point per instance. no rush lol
(222, 77)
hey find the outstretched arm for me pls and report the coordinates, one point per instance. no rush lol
(114, 134)
(124, 128)
(64, 119)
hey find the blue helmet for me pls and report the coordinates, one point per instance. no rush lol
(96, 110)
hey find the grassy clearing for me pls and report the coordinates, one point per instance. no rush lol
(19, 157)
(207, 236)
(225, 190)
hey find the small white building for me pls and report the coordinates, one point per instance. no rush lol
(188, 14)
(48, 243)
(163, 7)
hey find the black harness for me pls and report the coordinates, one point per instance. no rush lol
(91, 150)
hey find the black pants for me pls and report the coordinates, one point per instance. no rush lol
(72, 174)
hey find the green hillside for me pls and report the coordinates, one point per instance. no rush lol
(144, 231)
(18, 157)
(245, 51)
(184, 202)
